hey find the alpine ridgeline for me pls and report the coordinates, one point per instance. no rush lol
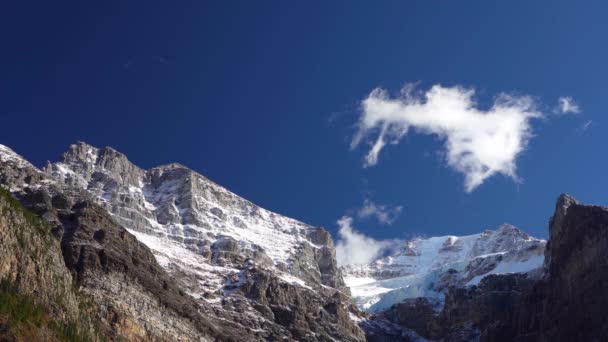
(166, 254)
(97, 248)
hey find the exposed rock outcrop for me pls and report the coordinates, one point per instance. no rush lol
(33, 273)
(576, 284)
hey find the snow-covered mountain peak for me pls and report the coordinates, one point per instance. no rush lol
(241, 264)
(193, 225)
(425, 267)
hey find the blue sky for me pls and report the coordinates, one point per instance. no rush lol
(265, 97)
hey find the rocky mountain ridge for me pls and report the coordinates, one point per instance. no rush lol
(187, 219)
(223, 268)
(165, 254)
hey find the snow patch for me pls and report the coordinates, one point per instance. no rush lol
(426, 267)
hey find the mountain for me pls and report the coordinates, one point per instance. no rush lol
(197, 229)
(564, 301)
(428, 267)
(168, 254)
(94, 248)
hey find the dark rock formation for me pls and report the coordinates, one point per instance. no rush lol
(575, 301)
(308, 315)
(98, 252)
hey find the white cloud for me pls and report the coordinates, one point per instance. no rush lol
(354, 248)
(586, 125)
(383, 213)
(478, 143)
(565, 105)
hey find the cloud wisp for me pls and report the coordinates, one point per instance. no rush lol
(587, 125)
(477, 143)
(566, 105)
(354, 248)
(384, 214)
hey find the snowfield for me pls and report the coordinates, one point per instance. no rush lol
(426, 267)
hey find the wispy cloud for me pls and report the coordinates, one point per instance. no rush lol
(566, 105)
(354, 248)
(586, 125)
(477, 143)
(384, 214)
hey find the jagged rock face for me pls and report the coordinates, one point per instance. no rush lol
(175, 203)
(32, 263)
(309, 315)
(427, 267)
(575, 303)
(24, 242)
(235, 271)
(112, 266)
(486, 312)
(136, 298)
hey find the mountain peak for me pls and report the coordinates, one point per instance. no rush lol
(16, 171)
(213, 243)
(5, 149)
(176, 203)
(506, 229)
(564, 201)
(7, 154)
(84, 153)
(171, 166)
(427, 267)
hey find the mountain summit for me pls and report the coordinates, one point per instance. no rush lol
(190, 222)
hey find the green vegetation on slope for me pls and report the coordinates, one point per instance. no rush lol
(23, 317)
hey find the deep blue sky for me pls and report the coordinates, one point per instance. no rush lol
(262, 96)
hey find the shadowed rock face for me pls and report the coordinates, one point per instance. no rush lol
(308, 315)
(566, 302)
(31, 263)
(136, 298)
(103, 256)
(576, 288)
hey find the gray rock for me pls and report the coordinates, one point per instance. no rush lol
(242, 285)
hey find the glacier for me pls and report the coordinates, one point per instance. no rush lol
(426, 267)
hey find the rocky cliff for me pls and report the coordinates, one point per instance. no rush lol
(37, 298)
(166, 254)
